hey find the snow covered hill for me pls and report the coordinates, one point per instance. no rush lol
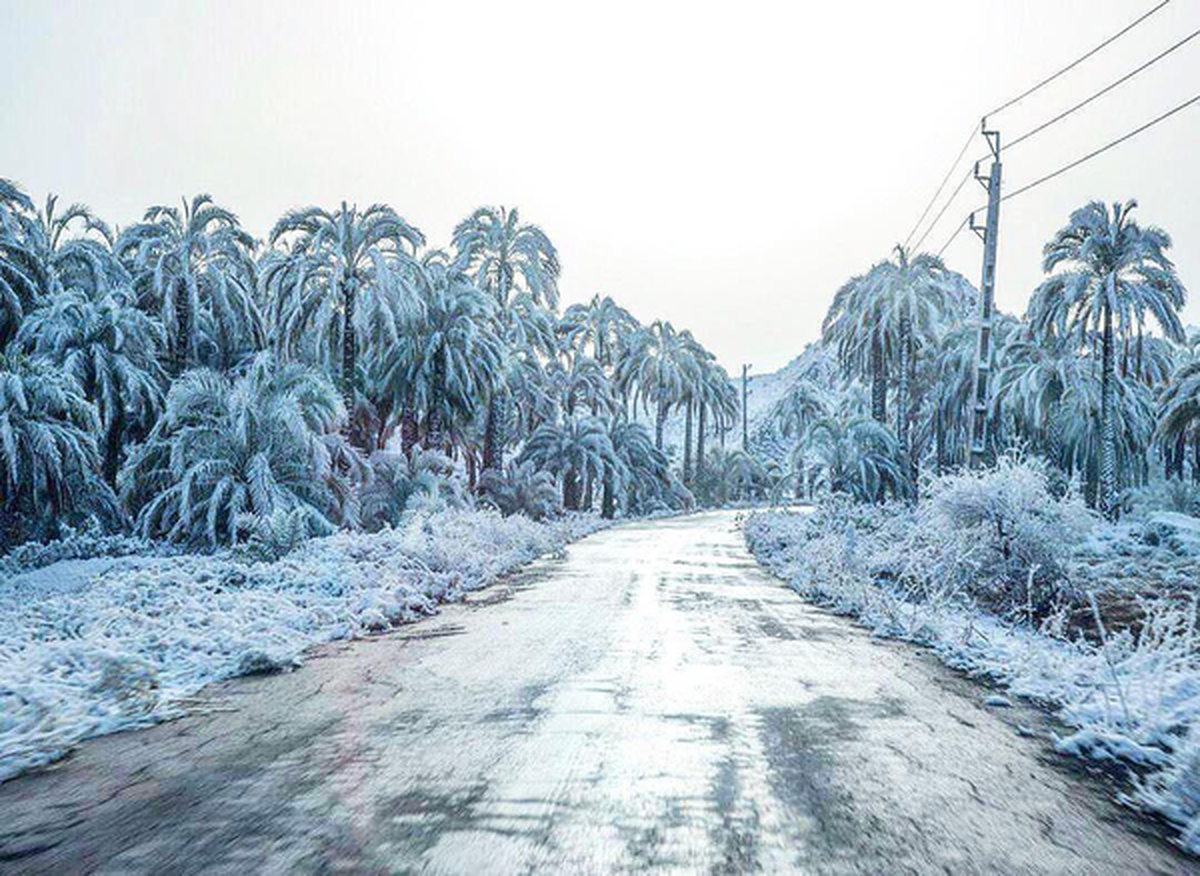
(817, 362)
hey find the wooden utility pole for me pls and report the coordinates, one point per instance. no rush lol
(987, 301)
(745, 392)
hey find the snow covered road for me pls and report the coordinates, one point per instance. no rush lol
(653, 702)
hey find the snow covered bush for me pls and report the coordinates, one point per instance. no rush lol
(521, 489)
(224, 448)
(90, 647)
(74, 545)
(428, 481)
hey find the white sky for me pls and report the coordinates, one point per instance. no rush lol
(722, 165)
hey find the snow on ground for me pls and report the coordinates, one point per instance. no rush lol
(92, 646)
(1135, 700)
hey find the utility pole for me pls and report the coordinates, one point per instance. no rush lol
(745, 392)
(987, 300)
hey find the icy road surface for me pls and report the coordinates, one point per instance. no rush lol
(654, 702)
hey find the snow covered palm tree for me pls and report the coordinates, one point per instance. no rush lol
(1112, 274)
(340, 271)
(44, 253)
(857, 456)
(48, 454)
(802, 405)
(193, 268)
(457, 354)
(1179, 419)
(227, 450)
(601, 324)
(111, 349)
(575, 450)
(518, 265)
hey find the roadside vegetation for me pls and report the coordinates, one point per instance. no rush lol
(1066, 562)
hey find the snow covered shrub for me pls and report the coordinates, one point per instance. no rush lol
(85, 544)
(1173, 496)
(1006, 531)
(261, 442)
(269, 537)
(429, 481)
(1175, 792)
(521, 489)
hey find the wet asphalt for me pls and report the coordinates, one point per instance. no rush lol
(652, 702)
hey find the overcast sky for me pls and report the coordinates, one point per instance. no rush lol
(725, 165)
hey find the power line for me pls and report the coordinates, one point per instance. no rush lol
(1103, 91)
(1078, 60)
(957, 231)
(945, 179)
(1102, 149)
(1073, 164)
(936, 219)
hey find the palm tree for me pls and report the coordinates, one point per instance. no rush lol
(914, 298)
(642, 473)
(1179, 419)
(857, 456)
(803, 404)
(1115, 271)
(518, 265)
(457, 354)
(716, 395)
(44, 253)
(662, 364)
(575, 450)
(341, 272)
(601, 324)
(48, 454)
(194, 269)
(111, 349)
(853, 325)
(228, 450)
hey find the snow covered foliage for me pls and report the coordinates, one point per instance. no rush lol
(227, 449)
(94, 646)
(1009, 580)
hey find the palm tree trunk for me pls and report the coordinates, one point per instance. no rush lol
(1196, 459)
(660, 420)
(490, 429)
(1057, 451)
(1108, 425)
(700, 440)
(112, 441)
(471, 469)
(408, 426)
(434, 420)
(349, 343)
(878, 379)
(608, 503)
(183, 325)
(571, 490)
(1176, 457)
(687, 443)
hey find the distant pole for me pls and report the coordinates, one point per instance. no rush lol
(987, 300)
(745, 392)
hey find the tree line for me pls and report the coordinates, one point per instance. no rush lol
(1099, 376)
(182, 379)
